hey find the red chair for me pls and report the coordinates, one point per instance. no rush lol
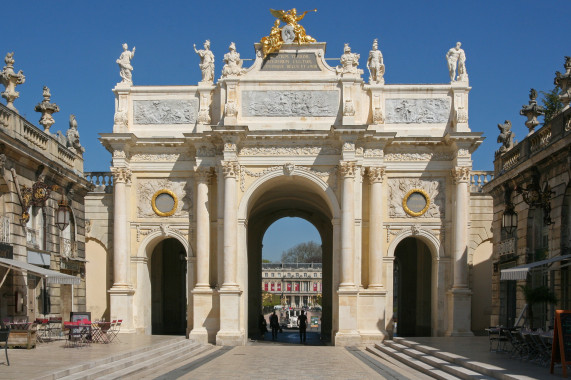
(114, 330)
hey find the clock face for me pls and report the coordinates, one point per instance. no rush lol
(164, 202)
(416, 202)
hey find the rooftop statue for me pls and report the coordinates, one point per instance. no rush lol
(232, 63)
(10, 80)
(375, 65)
(349, 62)
(125, 68)
(206, 62)
(505, 137)
(73, 136)
(457, 56)
(289, 33)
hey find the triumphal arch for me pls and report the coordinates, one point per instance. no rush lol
(200, 172)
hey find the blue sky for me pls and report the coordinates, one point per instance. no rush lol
(71, 46)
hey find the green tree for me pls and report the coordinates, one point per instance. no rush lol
(309, 252)
(534, 296)
(265, 261)
(551, 103)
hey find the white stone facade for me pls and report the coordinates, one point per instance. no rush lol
(370, 165)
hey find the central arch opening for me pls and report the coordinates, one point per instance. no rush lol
(282, 199)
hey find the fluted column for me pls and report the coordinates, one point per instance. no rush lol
(202, 228)
(376, 176)
(230, 169)
(347, 171)
(120, 244)
(461, 176)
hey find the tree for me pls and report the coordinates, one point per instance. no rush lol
(534, 296)
(551, 103)
(309, 252)
(266, 261)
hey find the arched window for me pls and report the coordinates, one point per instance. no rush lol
(36, 228)
(68, 246)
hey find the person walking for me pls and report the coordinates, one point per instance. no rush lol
(302, 323)
(275, 325)
(263, 326)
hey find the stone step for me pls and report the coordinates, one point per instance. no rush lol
(481, 367)
(107, 360)
(101, 367)
(412, 362)
(447, 366)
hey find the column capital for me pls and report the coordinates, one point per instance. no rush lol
(203, 174)
(121, 175)
(376, 174)
(461, 174)
(347, 169)
(230, 168)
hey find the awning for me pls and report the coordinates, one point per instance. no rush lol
(51, 276)
(520, 272)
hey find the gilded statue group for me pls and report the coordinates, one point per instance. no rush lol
(293, 32)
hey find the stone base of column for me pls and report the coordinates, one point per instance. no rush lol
(202, 307)
(372, 316)
(459, 312)
(348, 334)
(121, 306)
(230, 333)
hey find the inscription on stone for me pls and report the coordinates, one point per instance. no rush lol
(290, 62)
(409, 111)
(290, 103)
(165, 111)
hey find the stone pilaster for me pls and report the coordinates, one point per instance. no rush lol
(347, 172)
(376, 249)
(202, 177)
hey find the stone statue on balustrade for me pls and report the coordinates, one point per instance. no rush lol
(206, 62)
(73, 136)
(505, 137)
(125, 68)
(232, 63)
(10, 80)
(375, 65)
(457, 57)
(349, 62)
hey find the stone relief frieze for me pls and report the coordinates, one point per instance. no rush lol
(290, 103)
(417, 111)
(165, 229)
(165, 111)
(308, 150)
(147, 187)
(287, 168)
(399, 187)
(139, 157)
(438, 156)
(373, 153)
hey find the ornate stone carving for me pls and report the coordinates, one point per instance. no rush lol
(532, 111)
(232, 63)
(231, 109)
(290, 103)
(230, 147)
(288, 168)
(349, 108)
(563, 81)
(376, 174)
(399, 187)
(347, 168)
(505, 137)
(461, 174)
(378, 117)
(165, 111)
(463, 153)
(73, 136)
(373, 153)
(148, 187)
(348, 146)
(121, 118)
(437, 156)
(203, 174)
(10, 80)
(47, 109)
(375, 65)
(409, 111)
(307, 150)
(415, 229)
(125, 68)
(461, 115)
(230, 168)
(206, 62)
(349, 63)
(457, 56)
(149, 157)
(165, 229)
(204, 113)
(121, 175)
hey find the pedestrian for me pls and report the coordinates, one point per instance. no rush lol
(302, 323)
(263, 326)
(274, 325)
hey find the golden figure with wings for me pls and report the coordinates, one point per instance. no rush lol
(291, 32)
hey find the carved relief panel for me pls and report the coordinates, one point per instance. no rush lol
(148, 188)
(402, 188)
(165, 111)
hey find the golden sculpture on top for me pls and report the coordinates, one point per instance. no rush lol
(289, 33)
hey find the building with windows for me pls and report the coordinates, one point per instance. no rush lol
(297, 284)
(42, 222)
(532, 213)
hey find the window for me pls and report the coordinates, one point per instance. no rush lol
(35, 228)
(305, 274)
(289, 274)
(297, 275)
(272, 274)
(315, 275)
(266, 274)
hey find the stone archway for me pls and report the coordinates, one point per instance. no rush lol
(275, 197)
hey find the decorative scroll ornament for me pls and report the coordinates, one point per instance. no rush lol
(532, 111)
(47, 109)
(401, 189)
(121, 175)
(308, 150)
(291, 32)
(461, 174)
(37, 195)
(10, 80)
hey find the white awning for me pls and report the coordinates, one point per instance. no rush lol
(520, 272)
(51, 276)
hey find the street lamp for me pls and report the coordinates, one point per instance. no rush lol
(62, 216)
(509, 220)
